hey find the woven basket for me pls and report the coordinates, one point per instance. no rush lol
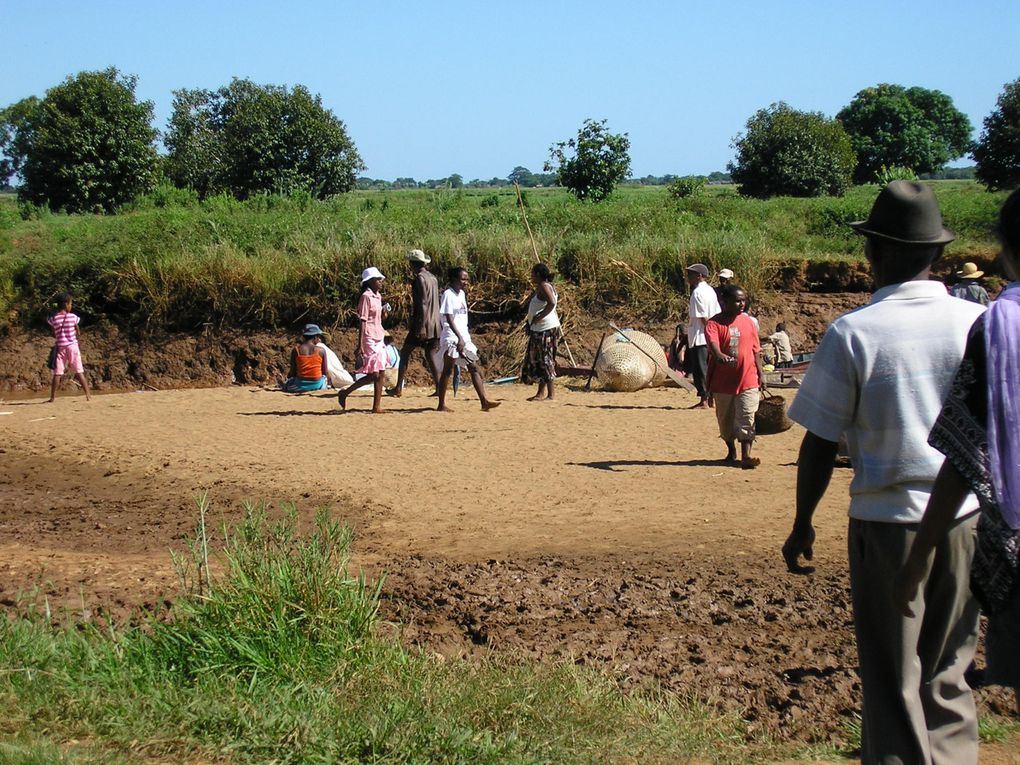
(389, 377)
(651, 346)
(621, 367)
(771, 417)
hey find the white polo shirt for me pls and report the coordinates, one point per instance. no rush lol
(879, 376)
(703, 305)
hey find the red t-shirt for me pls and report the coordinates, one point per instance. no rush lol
(723, 378)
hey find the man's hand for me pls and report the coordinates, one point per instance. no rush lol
(800, 542)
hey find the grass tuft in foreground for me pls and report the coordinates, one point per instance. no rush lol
(276, 659)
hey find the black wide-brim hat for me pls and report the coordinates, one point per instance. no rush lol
(905, 212)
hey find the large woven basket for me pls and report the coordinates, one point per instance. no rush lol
(650, 346)
(771, 417)
(622, 367)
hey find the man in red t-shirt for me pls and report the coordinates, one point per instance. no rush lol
(735, 375)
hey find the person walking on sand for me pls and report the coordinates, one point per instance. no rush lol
(879, 377)
(66, 353)
(455, 340)
(735, 375)
(969, 287)
(423, 327)
(977, 432)
(703, 306)
(371, 344)
(543, 332)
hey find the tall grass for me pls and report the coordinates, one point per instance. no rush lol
(271, 261)
(273, 655)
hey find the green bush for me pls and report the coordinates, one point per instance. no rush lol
(685, 187)
(887, 175)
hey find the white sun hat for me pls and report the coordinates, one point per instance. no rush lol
(371, 273)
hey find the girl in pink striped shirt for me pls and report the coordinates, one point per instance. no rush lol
(65, 335)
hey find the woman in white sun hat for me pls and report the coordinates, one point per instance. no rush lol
(371, 356)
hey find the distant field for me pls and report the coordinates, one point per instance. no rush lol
(267, 262)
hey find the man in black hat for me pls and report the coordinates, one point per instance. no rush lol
(703, 306)
(878, 378)
(423, 328)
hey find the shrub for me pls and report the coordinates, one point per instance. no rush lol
(592, 164)
(688, 186)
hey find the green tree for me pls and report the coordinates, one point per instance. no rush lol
(997, 152)
(523, 176)
(87, 146)
(247, 139)
(785, 152)
(904, 127)
(592, 164)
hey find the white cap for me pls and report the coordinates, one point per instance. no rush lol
(726, 273)
(417, 256)
(371, 273)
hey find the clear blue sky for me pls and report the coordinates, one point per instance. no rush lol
(433, 88)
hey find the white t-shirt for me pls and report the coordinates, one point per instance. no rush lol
(703, 305)
(454, 304)
(879, 376)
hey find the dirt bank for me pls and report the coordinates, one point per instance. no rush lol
(118, 360)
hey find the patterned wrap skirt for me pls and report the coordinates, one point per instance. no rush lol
(540, 358)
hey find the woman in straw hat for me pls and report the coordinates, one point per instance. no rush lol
(977, 432)
(969, 288)
(371, 339)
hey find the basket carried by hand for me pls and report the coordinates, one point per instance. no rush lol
(771, 417)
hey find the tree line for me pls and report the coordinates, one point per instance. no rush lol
(89, 145)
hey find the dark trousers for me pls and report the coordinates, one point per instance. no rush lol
(697, 364)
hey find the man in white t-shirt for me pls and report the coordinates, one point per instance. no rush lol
(455, 340)
(703, 306)
(878, 378)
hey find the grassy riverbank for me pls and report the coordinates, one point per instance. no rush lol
(176, 263)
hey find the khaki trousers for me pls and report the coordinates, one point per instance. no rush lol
(735, 414)
(918, 709)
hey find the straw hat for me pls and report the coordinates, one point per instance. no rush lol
(417, 256)
(970, 271)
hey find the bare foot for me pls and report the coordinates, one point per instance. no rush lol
(536, 397)
(750, 463)
(443, 409)
(490, 405)
(699, 405)
(395, 392)
(341, 399)
(379, 411)
(731, 456)
(50, 400)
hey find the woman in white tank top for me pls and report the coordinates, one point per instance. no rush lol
(543, 333)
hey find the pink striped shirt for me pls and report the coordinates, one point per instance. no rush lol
(64, 328)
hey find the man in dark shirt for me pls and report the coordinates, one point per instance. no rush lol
(423, 328)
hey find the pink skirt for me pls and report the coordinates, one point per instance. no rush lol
(373, 356)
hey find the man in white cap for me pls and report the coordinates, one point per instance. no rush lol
(882, 387)
(703, 306)
(423, 326)
(969, 288)
(725, 277)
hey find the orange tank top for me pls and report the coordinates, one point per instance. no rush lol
(309, 367)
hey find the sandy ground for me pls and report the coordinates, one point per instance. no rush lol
(601, 526)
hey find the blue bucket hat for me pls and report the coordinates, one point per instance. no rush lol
(311, 330)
